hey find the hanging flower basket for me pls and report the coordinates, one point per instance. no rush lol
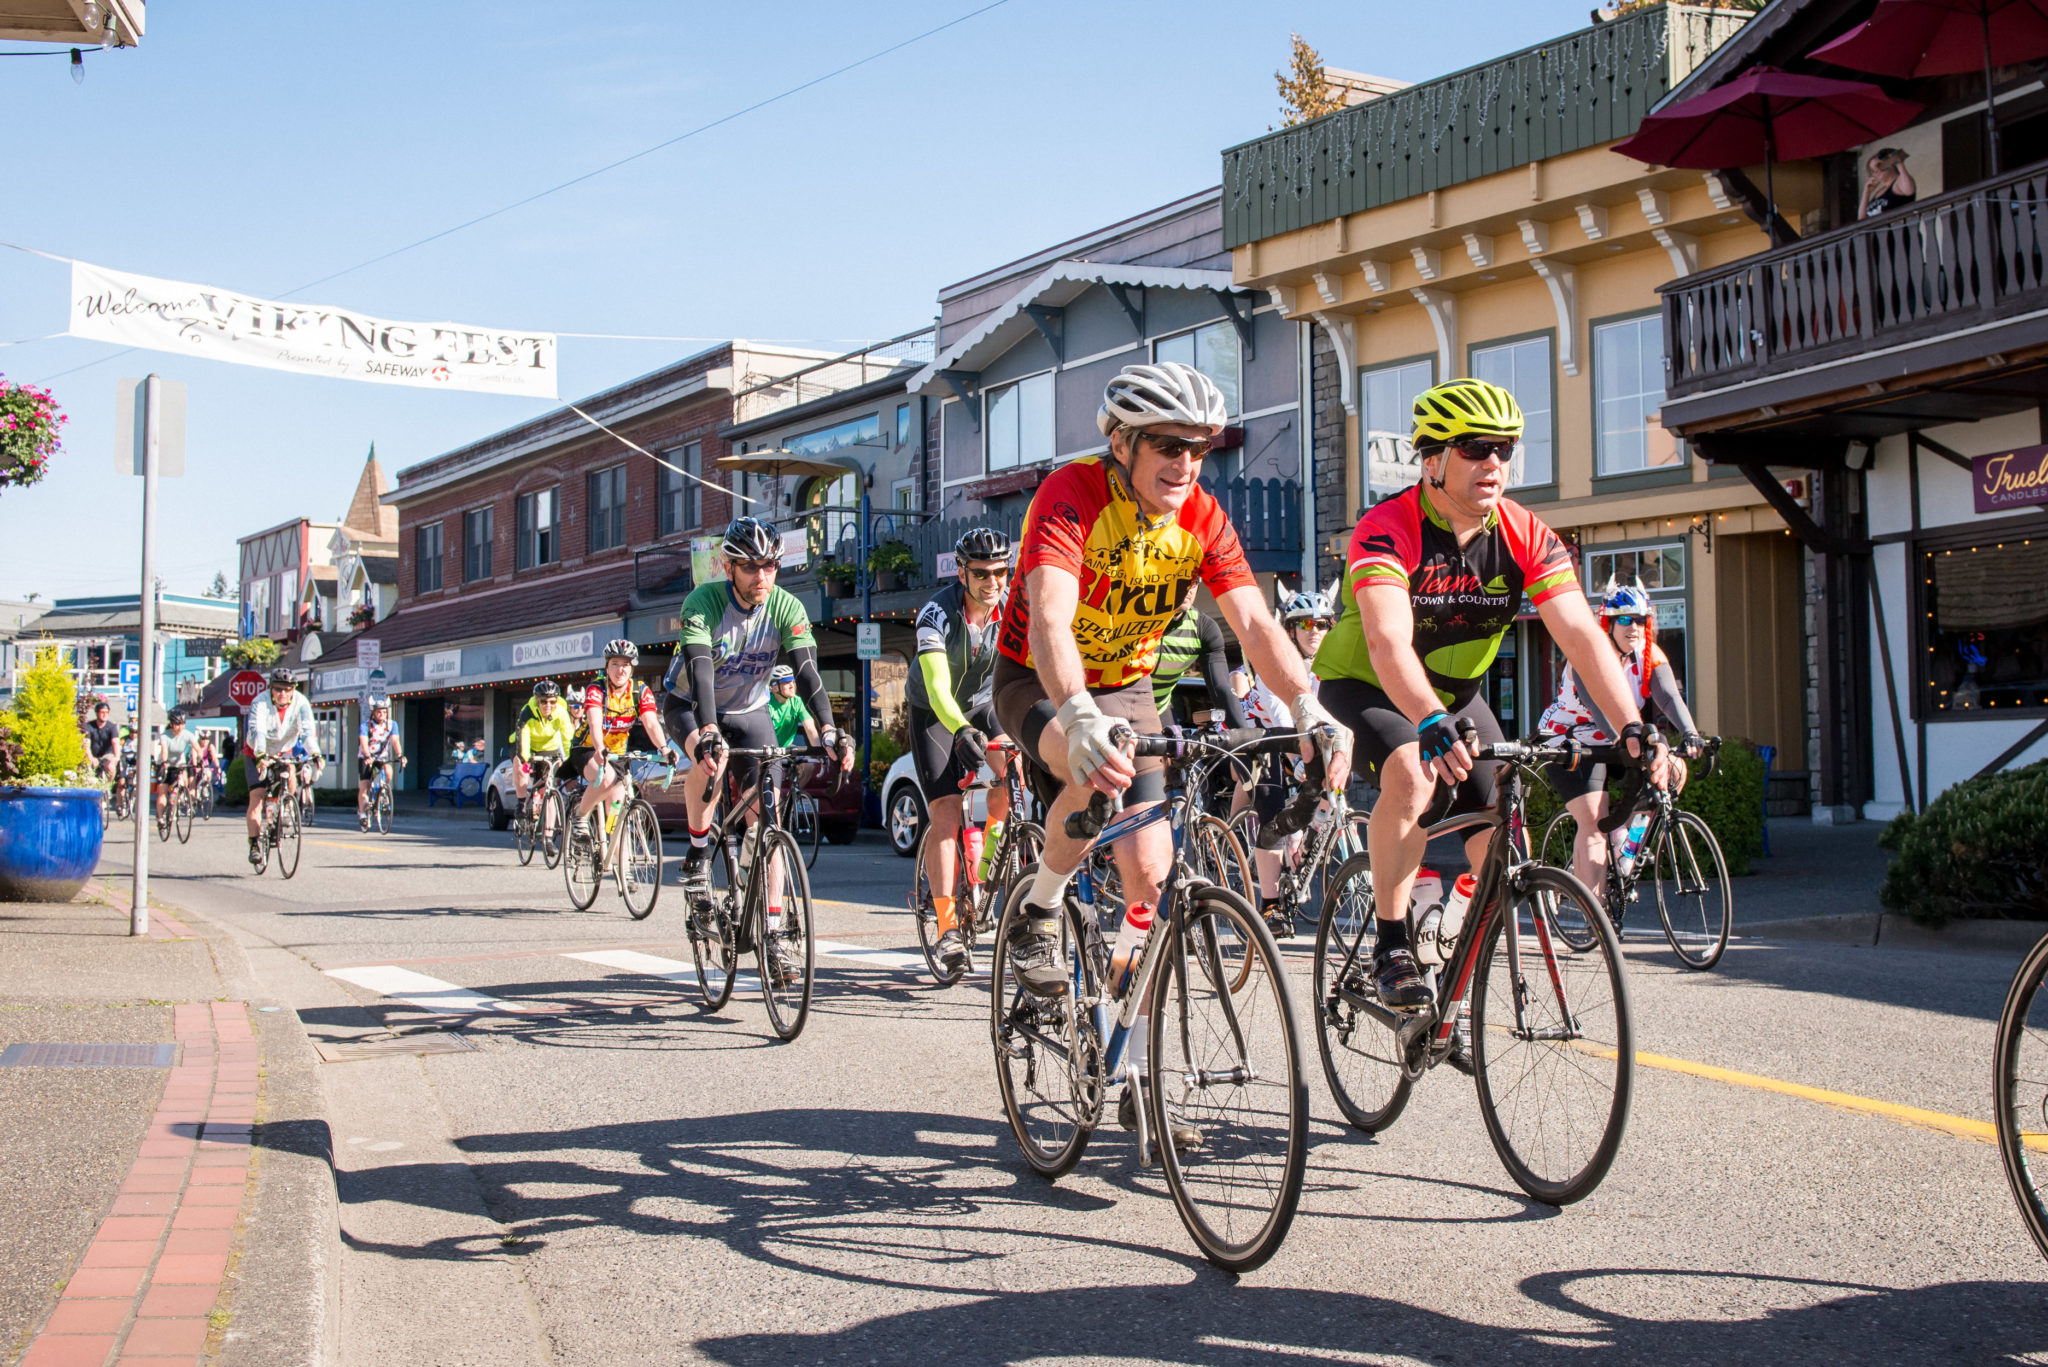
(29, 420)
(361, 615)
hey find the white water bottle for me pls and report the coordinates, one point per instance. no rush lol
(1632, 843)
(1425, 910)
(1130, 941)
(1452, 925)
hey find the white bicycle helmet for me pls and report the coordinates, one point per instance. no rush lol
(1307, 607)
(1143, 395)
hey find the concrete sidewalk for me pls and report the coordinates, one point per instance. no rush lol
(171, 1201)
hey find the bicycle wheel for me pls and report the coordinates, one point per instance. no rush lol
(306, 808)
(1227, 1060)
(711, 934)
(804, 827)
(2020, 1092)
(163, 821)
(380, 811)
(1560, 837)
(927, 916)
(181, 810)
(207, 798)
(1048, 1054)
(523, 832)
(1553, 1050)
(580, 869)
(781, 894)
(639, 870)
(1362, 1059)
(1220, 859)
(287, 837)
(554, 827)
(1694, 899)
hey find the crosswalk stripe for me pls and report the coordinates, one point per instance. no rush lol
(881, 958)
(674, 970)
(420, 990)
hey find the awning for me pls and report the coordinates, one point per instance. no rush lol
(557, 650)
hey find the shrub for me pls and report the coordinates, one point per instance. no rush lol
(258, 652)
(234, 791)
(45, 725)
(883, 752)
(1977, 851)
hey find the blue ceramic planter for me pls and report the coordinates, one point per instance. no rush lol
(49, 842)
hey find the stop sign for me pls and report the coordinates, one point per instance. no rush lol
(245, 687)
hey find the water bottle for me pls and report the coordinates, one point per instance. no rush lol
(1455, 907)
(970, 845)
(1425, 907)
(1632, 843)
(1130, 940)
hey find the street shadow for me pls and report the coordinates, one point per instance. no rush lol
(1968, 986)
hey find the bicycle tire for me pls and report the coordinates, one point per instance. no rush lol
(1238, 1192)
(523, 832)
(2019, 1090)
(789, 1005)
(1605, 1032)
(380, 814)
(926, 916)
(163, 821)
(580, 871)
(1023, 842)
(1219, 858)
(307, 807)
(639, 868)
(554, 827)
(288, 838)
(1362, 1061)
(181, 812)
(1674, 868)
(1560, 837)
(805, 828)
(717, 960)
(1052, 1129)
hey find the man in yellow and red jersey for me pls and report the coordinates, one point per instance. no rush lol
(1110, 547)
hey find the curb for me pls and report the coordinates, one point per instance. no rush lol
(1888, 930)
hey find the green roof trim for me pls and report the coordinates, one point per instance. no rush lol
(1574, 92)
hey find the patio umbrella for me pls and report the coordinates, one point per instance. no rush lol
(1908, 38)
(1766, 115)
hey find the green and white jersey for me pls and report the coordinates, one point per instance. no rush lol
(744, 645)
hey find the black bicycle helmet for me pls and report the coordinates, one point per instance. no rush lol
(749, 538)
(982, 543)
(546, 688)
(622, 649)
(281, 675)
(176, 718)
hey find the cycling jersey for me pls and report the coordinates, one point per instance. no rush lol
(374, 737)
(177, 749)
(546, 735)
(629, 706)
(958, 657)
(789, 718)
(1193, 639)
(1134, 570)
(1263, 707)
(1465, 599)
(273, 730)
(744, 645)
(1650, 678)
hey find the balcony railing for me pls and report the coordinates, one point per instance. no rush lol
(1955, 261)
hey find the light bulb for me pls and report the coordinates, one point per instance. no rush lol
(77, 67)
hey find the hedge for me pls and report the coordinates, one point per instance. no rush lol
(1730, 801)
(1979, 850)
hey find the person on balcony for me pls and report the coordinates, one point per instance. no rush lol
(1889, 186)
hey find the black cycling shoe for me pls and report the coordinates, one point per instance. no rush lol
(1186, 1137)
(255, 854)
(1399, 981)
(953, 949)
(1035, 953)
(1279, 920)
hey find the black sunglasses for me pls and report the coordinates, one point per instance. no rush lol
(1001, 572)
(1195, 448)
(758, 566)
(1476, 449)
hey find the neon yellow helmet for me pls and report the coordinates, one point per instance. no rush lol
(1465, 408)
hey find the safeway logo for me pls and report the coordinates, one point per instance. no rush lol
(439, 372)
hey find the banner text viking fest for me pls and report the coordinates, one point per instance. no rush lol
(199, 320)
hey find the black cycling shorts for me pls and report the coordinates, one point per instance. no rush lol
(1024, 711)
(940, 770)
(1571, 784)
(1379, 728)
(753, 730)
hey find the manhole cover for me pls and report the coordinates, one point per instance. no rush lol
(89, 1056)
(427, 1042)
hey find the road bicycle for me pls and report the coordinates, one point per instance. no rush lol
(277, 830)
(800, 819)
(1678, 854)
(1224, 1062)
(542, 821)
(307, 803)
(376, 813)
(2020, 1091)
(121, 798)
(207, 795)
(1530, 1001)
(622, 837)
(977, 900)
(752, 865)
(175, 812)
(1330, 834)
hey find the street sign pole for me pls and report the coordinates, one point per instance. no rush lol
(145, 695)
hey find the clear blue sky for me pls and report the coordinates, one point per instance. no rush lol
(262, 146)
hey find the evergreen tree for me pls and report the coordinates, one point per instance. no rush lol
(45, 720)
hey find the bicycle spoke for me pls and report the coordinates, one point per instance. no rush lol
(1048, 1057)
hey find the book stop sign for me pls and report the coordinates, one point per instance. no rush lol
(245, 687)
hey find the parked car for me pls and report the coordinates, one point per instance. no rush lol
(904, 806)
(838, 815)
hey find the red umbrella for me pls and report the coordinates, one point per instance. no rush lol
(1944, 38)
(1767, 115)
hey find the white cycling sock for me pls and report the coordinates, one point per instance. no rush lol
(1047, 887)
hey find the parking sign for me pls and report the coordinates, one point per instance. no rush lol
(867, 640)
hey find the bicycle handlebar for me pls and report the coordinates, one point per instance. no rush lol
(1182, 745)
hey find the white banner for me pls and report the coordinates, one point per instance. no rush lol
(442, 664)
(199, 320)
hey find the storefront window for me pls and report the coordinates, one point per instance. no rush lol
(462, 733)
(1984, 626)
(1215, 351)
(1628, 377)
(1523, 369)
(1386, 409)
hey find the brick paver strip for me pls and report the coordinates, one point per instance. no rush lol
(141, 1295)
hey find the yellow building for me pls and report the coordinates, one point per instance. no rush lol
(1481, 224)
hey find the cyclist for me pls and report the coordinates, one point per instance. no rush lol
(1192, 640)
(307, 763)
(277, 723)
(1308, 618)
(544, 741)
(1109, 546)
(1632, 629)
(173, 755)
(104, 741)
(950, 717)
(377, 746)
(792, 719)
(1435, 576)
(717, 691)
(619, 715)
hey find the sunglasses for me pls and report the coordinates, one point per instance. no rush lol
(757, 566)
(1194, 448)
(1476, 449)
(1315, 624)
(1000, 573)
(1628, 619)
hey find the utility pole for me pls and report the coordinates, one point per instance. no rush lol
(145, 690)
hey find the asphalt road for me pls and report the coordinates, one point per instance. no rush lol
(623, 1177)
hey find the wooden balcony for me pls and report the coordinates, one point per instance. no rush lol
(1860, 317)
